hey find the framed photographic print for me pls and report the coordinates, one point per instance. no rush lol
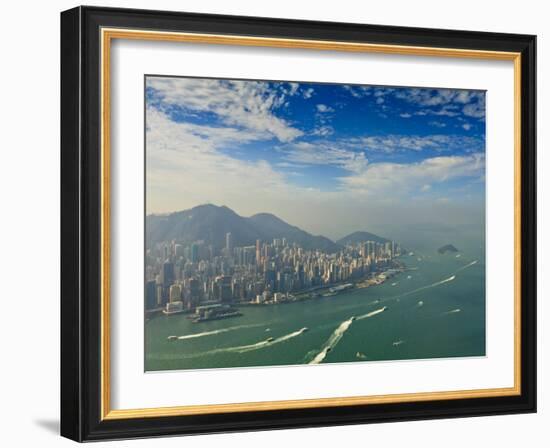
(273, 223)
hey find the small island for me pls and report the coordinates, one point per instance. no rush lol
(447, 248)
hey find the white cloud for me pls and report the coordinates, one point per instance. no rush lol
(247, 105)
(323, 131)
(449, 102)
(395, 178)
(439, 143)
(325, 153)
(359, 91)
(185, 167)
(308, 93)
(323, 108)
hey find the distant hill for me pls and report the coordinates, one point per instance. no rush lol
(211, 223)
(358, 237)
(447, 248)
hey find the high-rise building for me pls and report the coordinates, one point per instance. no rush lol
(222, 288)
(258, 252)
(150, 295)
(229, 243)
(168, 276)
(175, 293)
(194, 255)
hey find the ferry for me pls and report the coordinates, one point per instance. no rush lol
(207, 313)
(217, 316)
(172, 338)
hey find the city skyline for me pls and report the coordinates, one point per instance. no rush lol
(309, 152)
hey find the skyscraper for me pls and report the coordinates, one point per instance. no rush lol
(194, 252)
(168, 277)
(258, 252)
(229, 243)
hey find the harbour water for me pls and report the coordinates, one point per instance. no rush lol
(435, 309)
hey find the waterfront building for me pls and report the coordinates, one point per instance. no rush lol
(175, 293)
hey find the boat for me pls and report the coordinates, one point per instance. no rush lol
(397, 343)
(305, 329)
(360, 355)
(352, 318)
(207, 313)
(218, 316)
(270, 339)
(329, 349)
(172, 338)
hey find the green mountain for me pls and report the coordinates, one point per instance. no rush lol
(211, 223)
(447, 248)
(358, 237)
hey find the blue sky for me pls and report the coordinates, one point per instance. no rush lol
(291, 148)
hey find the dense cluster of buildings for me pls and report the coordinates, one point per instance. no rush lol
(183, 277)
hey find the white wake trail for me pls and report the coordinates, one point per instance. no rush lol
(262, 344)
(422, 288)
(372, 313)
(332, 341)
(458, 310)
(466, 266)
(214, 332)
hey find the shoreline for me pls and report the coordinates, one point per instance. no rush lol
(314, 293)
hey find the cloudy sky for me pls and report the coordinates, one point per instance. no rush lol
(330, 158)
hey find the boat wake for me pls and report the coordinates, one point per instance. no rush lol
(262, 344)
(458, 310)
(466, 266)
(332, 341)
(433, 285)
(372, 313)
(214, 332)
(422, 288)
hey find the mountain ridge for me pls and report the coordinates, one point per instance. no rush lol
(211, 223)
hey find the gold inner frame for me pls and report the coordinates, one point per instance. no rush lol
(107, 35)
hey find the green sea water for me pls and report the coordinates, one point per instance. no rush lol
(434, 310)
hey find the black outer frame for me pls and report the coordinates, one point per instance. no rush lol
(80, 223)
